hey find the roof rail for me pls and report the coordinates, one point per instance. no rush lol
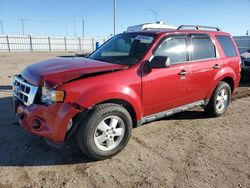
(198, 27)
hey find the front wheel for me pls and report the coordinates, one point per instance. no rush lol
(105, 132)
(220, 100)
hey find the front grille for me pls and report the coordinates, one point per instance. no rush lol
(24, 91)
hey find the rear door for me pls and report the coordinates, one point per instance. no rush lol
(204, 65)
(231, 56)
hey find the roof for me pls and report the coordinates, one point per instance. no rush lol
(162, 31)
(158, 28)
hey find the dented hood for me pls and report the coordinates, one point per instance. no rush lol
(59, 70)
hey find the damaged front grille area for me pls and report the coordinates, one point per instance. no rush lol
(24, 91)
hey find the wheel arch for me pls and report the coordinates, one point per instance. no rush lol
(227, 75)
(229, 80)
(129, 107)
(81, 115)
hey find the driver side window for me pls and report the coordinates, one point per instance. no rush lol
(175, 48)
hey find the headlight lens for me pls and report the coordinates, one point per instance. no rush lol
(50, 96)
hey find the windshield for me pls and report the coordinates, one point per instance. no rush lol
(125, 49)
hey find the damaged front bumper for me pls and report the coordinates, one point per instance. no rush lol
(51, 122)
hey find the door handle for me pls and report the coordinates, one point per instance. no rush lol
(216, 66)
(183, 73)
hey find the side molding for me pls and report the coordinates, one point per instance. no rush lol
(167, 113)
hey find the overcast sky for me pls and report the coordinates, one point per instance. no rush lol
(57, 17)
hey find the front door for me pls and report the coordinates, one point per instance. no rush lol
(166, 88)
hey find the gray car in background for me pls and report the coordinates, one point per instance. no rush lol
(245, 66)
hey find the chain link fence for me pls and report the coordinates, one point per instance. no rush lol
(15, 43)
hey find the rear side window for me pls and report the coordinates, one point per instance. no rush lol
(174, 48)
(227, 45)
(202, 47)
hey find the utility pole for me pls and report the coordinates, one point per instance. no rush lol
(1, 22)
(74, 27)
(66, 30)
(114, 15)
(83, 28)
(22, 20)
(155, 13)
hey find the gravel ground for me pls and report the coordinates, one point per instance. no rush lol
(185, 150)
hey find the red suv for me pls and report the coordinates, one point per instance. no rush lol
(132, 79)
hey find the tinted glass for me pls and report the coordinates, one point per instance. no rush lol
(227, 45)
(174, 48)
(202, 48)
(125, 49)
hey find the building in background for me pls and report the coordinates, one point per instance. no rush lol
(243, 43)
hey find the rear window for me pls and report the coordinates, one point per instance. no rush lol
(202, 47)
(227, 45)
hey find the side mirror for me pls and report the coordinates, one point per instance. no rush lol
(159, 62)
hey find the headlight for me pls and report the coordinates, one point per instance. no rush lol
(50, 96)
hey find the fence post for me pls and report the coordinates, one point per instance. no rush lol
(8, 42)
(93, 45)
(49, 43)
(31, 47)
(65, 44)
(80, 47)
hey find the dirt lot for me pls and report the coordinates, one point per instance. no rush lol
(186, 150)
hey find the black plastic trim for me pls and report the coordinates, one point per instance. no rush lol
(170, 112)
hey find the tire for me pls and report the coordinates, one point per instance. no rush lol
(219, 102)
(96, 137)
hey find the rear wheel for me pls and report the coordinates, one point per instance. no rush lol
(105, 131)
(220, 100)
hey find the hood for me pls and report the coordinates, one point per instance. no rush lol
(59, 70)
